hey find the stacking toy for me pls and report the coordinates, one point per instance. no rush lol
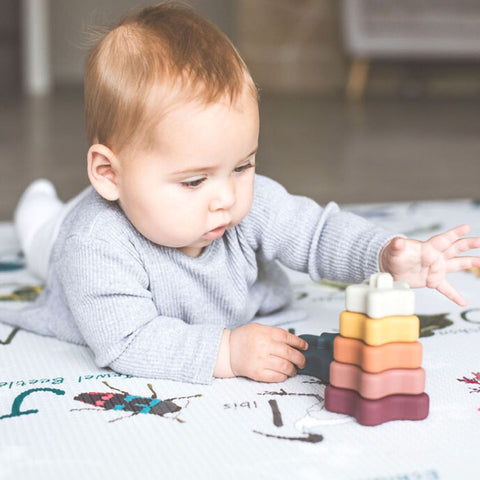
(376, 374)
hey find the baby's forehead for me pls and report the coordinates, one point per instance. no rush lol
(167, 108)
(193, 130)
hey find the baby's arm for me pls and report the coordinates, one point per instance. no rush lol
(259, 352)
(325, 242)
(107, 290)
(426, 264)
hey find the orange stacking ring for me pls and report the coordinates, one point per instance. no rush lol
(379, 358)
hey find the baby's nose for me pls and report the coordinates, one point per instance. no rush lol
(224, 196)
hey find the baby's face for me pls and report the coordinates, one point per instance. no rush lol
(197, 179)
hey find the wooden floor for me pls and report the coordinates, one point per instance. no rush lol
(382, 150)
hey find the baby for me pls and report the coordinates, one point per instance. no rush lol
(166, 266)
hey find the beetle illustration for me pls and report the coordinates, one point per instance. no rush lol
(126, 402)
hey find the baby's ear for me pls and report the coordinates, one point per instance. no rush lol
(103, 170)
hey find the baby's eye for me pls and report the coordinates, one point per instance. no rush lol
(196, 182)
(243, 167)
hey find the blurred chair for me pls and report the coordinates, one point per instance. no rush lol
(406, 29)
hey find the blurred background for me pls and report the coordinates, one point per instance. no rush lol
(361, 100)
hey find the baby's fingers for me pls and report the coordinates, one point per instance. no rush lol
(282, 366)
(289, 354)
(279, 368)
(462, 263)
(271, 376)
(443, 241)
(462, 245)
(450, 292)
(288, 338)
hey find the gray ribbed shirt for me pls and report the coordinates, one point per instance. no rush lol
(152, 311)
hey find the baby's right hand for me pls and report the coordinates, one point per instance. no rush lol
(265, 354)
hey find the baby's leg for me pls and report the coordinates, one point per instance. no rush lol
(36, 218)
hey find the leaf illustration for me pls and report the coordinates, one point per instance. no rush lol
(430, 323)
(24, 294)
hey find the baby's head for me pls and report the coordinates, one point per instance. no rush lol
(172, 120)
(151, 61)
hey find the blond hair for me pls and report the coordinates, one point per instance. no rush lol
(150, 60)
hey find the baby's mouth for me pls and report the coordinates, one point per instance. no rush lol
(215, 233)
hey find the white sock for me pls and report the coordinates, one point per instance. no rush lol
(38, 205)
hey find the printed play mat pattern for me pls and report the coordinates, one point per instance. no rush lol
(62, 417)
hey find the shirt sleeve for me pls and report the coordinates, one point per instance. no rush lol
(106, 288)
(302, 235)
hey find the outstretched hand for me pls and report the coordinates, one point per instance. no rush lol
(426, 264)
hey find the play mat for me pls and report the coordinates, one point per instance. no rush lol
(56, 420)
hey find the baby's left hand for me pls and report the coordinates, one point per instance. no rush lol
(426, 264)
